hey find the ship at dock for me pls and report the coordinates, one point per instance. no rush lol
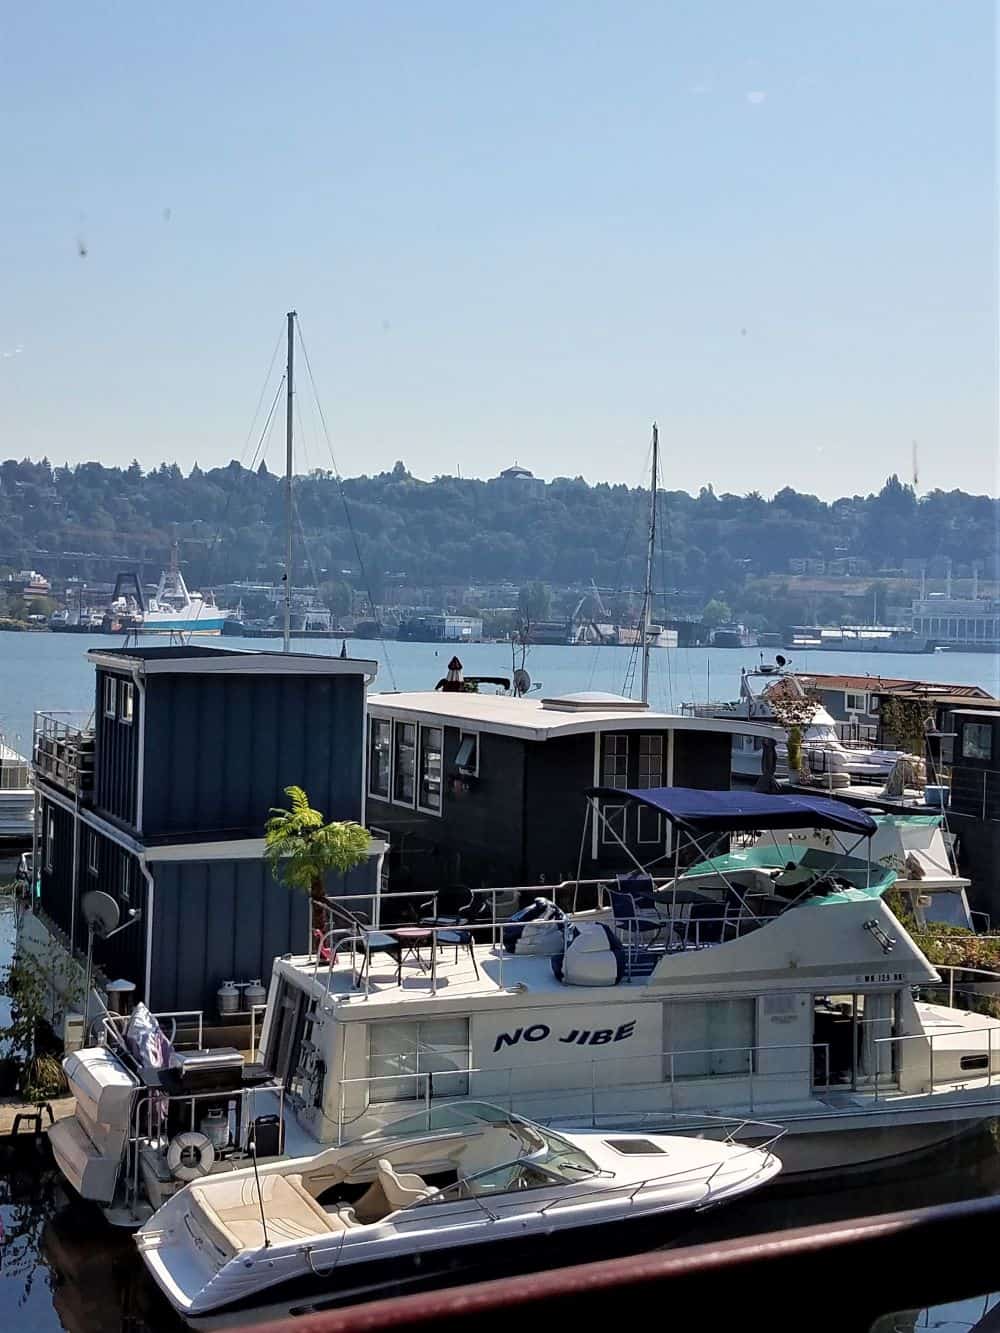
(172, 609)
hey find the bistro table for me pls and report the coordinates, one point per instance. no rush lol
(411, 939)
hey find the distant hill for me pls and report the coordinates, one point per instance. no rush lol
(230, 521)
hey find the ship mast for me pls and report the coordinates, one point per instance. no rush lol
(647, 598)
(286, 643)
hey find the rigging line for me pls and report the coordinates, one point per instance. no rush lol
(616, 591)
(236, 486)
(260, 399)
(344, 504)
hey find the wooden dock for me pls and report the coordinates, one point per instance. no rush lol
(13, 1107)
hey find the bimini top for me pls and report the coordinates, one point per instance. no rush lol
(708, 811)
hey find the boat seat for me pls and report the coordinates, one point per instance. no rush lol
(230, 1210)
(401, 1190)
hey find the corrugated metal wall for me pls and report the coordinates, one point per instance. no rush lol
(220, 750)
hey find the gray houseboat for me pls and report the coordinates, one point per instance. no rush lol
(486, 789)
(159, 799)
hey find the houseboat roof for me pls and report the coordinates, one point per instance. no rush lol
(199, 659)
(889, 684)
(544, 719)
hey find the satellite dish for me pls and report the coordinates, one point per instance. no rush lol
(100, 911)
(781, 661)
(522, 681)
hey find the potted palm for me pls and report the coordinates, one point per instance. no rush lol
(302, 848)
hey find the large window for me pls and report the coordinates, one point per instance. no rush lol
(429, 795)
(977, 740)
(853, 1039)
(613, 824)
(110, 696)
(707, 1038)
(404, 763)
(615, 770)
(379, 757)
(403, 1057)
(856, 703)
(126, 701)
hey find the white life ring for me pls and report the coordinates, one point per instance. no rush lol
(181, 1147)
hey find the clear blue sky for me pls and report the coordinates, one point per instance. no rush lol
(511, 231)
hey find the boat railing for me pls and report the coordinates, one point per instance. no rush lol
(595, 1101)
(955, 1078)
(112, 1027)
(63, 749)
(15, 772)
(150, 1115)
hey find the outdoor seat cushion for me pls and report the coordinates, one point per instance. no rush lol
(230, 1211)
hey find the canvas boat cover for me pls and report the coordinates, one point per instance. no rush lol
(722, 811)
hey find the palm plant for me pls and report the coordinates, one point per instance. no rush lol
(302, 848)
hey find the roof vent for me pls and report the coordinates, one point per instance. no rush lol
(587, 701)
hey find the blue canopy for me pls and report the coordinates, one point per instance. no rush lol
(720, 811)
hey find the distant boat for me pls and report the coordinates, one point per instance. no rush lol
(171, 610)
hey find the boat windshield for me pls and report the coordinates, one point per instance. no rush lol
(452, 1115)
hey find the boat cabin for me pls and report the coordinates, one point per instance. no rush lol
(485, 789)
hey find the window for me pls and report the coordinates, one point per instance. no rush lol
(110, 686)
(616, 760)
(126, 695)
(467, 758)
(856, 703)
(852, 1039)
(126, 880)
(403, 1057)
(613, 824)
(93, 854)
(429, 795)
(650, 761)
(708, 1038)
(379, 757)
(650, 822)
(404, 763)
(977, 740)
(50, 841)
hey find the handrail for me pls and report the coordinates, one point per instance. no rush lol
(589, 1089)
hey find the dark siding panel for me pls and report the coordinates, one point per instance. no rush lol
(558, 773)
(219, 920)
(57, 888)
(116, 757)
(478, 839)
(226, 747)
(703, 759)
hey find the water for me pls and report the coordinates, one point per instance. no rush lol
(50, 671)
(61, 1267)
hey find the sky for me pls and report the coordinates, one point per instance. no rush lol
(512, 232)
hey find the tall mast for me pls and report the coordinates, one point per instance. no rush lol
(289, 375)
(647, 598)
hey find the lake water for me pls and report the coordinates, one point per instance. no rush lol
(50, 671)
(61, 1267)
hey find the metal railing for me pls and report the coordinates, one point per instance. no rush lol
(584, 1101)
(63, 749)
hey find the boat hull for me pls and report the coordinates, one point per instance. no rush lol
(427, 1270)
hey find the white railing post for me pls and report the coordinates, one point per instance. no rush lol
(951, 988)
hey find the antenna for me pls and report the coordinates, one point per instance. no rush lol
(647, 603)
(286, 638)
(916, 467)
(103, 917)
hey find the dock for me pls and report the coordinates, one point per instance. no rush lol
(11, 1108)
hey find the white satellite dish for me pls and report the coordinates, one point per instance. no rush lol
(101, 913)
(522, 681)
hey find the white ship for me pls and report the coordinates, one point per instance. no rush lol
(172, 609)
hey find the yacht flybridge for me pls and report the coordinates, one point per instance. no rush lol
(463, 1187)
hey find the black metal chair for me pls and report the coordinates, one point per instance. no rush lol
(461, 939)
(454, 905)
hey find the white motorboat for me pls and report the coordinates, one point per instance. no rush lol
(828, 759)
(463, 1188)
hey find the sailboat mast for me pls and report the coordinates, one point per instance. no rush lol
(647, 597)
(289, 375)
